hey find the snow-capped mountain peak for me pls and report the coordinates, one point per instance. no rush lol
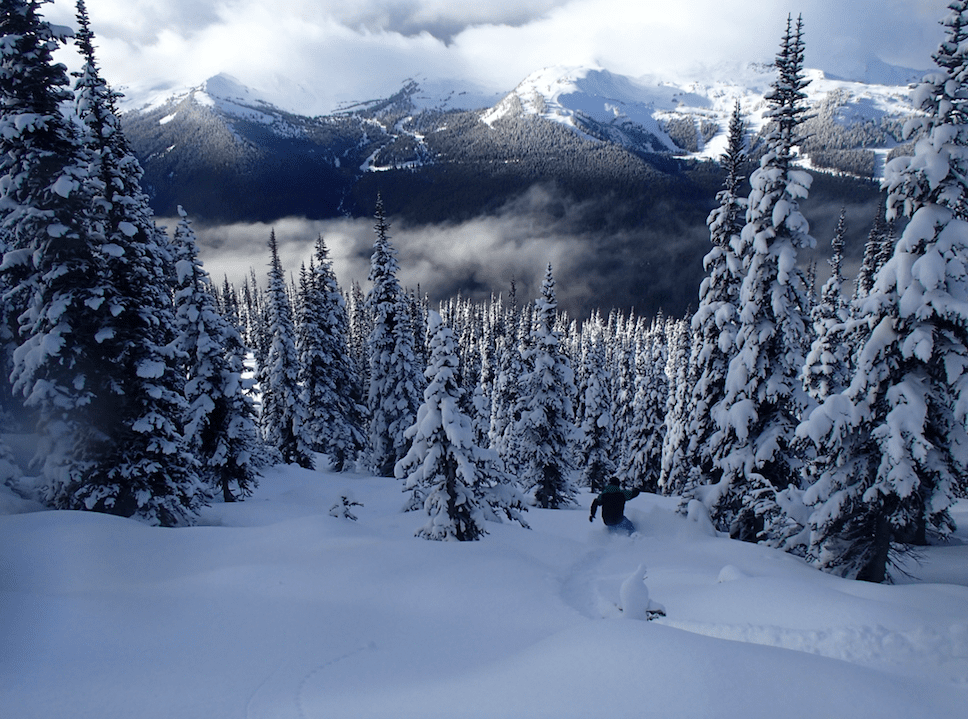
(682, 113)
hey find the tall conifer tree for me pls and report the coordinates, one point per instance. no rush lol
(284, 415)
(394, 392)
(595, 429)
(643, 462)
(547, 426)
(763, 391)
(97, 361)
(221, 418)
(827, 365)
(330, 386)
(715, 323)
(459, 484)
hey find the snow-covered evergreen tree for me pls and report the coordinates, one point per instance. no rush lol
(827, 366)
(456, 480)
(643, 463)
(394, 392)
(675, 460)
(715, 323)
(595, 428)
(546, 426)
(892, 447)
(284, 413)
(417, 308)
(221, 422)
(97, 361)
(43, 202)
(360, 327)
(763, 391)
(874, 253)
(621, 352)
(507, 401)
(146, 455)
(331, 390)
(492, 327)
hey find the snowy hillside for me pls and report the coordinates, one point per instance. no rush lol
(277, 609)
(654, 114)
(588, 98)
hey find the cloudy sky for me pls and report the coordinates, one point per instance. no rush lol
(324, 52)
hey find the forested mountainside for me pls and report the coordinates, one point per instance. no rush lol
(235, 158)
(637, 184)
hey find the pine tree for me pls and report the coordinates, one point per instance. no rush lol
(394, 392)
(43, 199)
(715, 323)
(284, 415)
(827, 366)
(872, 253)
(643, 463)
(760, 410)
(331, 391)
(97, 362)
(675, 444)
(507, 403)
(892, 447)
(360, 327)
(622, 357)
(258, 320)
(444, 467)
(546, 425)
(147, 454)
(492, 319)
(221, 417)
(595, 428)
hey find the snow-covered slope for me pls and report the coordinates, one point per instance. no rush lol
(225, 95)
(277, 609)
(587, 99)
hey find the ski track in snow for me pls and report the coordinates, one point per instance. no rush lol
(578, 583)
(282, 693)
(305, 680)
(592, 588)
(258, 691)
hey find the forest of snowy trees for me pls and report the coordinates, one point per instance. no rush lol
(831, 424)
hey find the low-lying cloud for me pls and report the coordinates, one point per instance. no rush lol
(480, 257)
(643, 269)
(474, 258)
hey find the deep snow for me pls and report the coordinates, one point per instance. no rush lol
(274, 608)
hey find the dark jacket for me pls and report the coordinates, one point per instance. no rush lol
(612, 501)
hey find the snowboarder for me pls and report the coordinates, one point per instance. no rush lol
(612, 501)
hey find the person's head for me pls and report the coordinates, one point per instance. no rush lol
(614, 482)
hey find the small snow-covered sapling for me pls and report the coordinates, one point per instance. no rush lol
(342, 507)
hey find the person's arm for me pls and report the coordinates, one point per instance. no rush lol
(631, 493)
(591, 517)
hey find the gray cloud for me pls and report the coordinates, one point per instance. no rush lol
(340, 50)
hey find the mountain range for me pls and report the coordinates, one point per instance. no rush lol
(627, 160)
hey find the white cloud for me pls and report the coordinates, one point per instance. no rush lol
(343, 49)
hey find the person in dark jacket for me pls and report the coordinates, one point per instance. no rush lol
(612, 501)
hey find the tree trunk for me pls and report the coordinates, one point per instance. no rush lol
(876, 568)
